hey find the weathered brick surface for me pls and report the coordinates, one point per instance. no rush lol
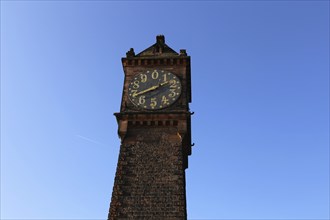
(150, 176)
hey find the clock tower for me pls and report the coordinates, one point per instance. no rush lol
(155, 131)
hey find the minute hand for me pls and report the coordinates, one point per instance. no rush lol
(146, 90)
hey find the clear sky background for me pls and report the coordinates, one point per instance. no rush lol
(260, 79)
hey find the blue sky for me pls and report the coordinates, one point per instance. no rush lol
(260, 80)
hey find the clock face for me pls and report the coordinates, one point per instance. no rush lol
(154, 89)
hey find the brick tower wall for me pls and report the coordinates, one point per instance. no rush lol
(150, 176)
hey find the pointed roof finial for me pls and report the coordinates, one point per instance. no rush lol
(160, 39)
(130, 53)
(158, 49)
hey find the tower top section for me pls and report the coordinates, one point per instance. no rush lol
(160, 48)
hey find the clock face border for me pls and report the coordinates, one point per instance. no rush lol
(154, 89)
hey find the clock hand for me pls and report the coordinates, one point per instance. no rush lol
(146, 90)
(150, 89)
(164, 83)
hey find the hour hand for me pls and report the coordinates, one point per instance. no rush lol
(164, 83)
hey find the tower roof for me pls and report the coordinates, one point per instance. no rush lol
(158, 49)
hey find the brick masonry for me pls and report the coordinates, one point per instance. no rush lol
(150, 176)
